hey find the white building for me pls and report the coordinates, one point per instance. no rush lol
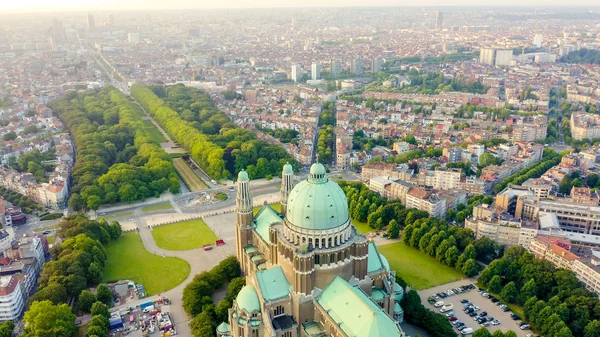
(537, 40)
(446, 178)
(335, 68)
(316, 71)
(503, 57)
(296, 73)
(487, 56)
(11, 298)
(133, 37)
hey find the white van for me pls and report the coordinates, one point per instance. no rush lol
(467, 331)
(438, 304)
(446, 307)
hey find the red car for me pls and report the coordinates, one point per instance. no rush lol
(207, 247)
(453, 318)
(220, 242)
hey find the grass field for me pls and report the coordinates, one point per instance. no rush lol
(157, 208)
(191, 179)
(154, 132)
(418, 269)
(45, 228)
(183, 235)
(129, 260)
(51, 239)
(276, 207)
(362, 227)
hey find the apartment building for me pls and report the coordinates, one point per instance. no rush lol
(500, 227)
(587, 269)
(11, 298)
(543, 247)
(585, 126)
(394, 171)
(426, 201)
(472, 185)
(447, 178)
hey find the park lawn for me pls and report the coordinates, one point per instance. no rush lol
(276, 207)
(157, 207)
(51, 239)
(362, 227)
(154, 132)
(418, 269)
(46, 228)
(184, 235)
(129, 260)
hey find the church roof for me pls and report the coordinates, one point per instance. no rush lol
(376, 261)
(354, 312)
(263, 219)
(223, 328)
(317, 202)
(288, 169)
(247, 299)
(273, 284)
(243, 176)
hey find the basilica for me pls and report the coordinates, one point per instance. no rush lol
(309, 273)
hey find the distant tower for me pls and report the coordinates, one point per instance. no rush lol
(439, 20)
(287, 183)
(90, 22)
(316, 71)
(243, 202)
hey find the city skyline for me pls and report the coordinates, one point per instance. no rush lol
(114, 5)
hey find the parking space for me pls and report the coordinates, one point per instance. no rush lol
(493, 312)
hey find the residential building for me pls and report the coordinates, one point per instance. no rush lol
(487, 56)
(585, 126)
(447, 178)
(335, 68)
(429, 202)
(376, 64)
(356, 66)
(315, 72)
(543, 248)
(11, 298)
(439, 20)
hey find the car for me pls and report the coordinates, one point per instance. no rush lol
(453, 318)
(505, 308)
(431, 300)
(450, 314)
(46, 232)
(438, 304)
(220, 242)
(481, 320)
(494, 300)
(495, 322)
(483, 314)
(490, 318)
(472, 314)
(446, 307)
(485, 294)
(485, 324)
(464, 300)
(469, 310)
(467, 331)
(456, 322)
(461, 326)
(515, 317)
(525, 327)
(476, 308)
(207, 247)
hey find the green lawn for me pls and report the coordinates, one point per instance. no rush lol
(276, 207)
(418, 269)
(129, 260)
(362, 227)
(46, 228)
(154, 132)
(183, 235)
(51, 239)
(157, 208)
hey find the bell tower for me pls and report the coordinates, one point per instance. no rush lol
(287, 183)
(243, 230)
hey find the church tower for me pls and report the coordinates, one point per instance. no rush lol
(243, 202)
(287, 183)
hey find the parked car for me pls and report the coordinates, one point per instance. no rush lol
(446, 307)
(485, 324)
(450, 314)
(473, 314)
(515, 317)
(464, 300)
(483, 314)
(467, 331)
(453, 318)
(456, 322)
(525, 326)
(207, 247)
(438, 304)
(496, 322)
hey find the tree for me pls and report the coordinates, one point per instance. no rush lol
(510, 333)
(509, 292)
(104, 294)
(101, 309)
(393, 230)
(97, 331)
(528, 290)
(592, 329)
(46, 319)
(85, 301)
(7, 328)
(482, 332)
(469, 268)
(11, 135)
(498, 333)
(94, 274)
(93, 202)
(495, 284)
(451, 256)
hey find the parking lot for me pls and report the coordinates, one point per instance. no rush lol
(484, 304)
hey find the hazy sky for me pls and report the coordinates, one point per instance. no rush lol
(56, 5)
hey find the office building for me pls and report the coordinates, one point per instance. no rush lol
(439, 20)
(503, 57)
(487, 56)
(335, 68)
(315, 71)
(307, 266)
(90, 22)
(296, 73)
(356, 66)
(133, 37)
(537, 40)
(376, 64)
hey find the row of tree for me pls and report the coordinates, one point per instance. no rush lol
(325, 144)
(17, 199)
(582, 55)
(197, 300)
(116, 158)
(220, 147)
(99, 324)
(553, 299)
(549, 159)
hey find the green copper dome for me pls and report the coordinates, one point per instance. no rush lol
(247, 299)
(288, 169)
(317, 203)
(243, 176)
